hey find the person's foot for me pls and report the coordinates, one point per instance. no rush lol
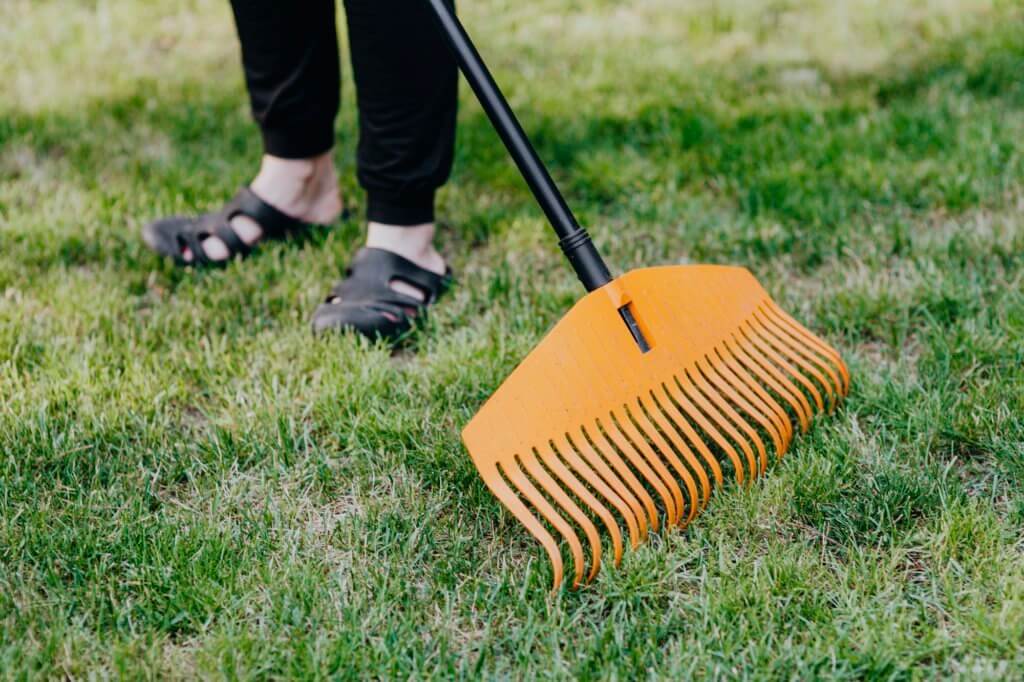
(413, 243)
(285, 198)
(389, 284)
(305, 189)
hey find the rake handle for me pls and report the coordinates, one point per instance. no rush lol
(574, 239)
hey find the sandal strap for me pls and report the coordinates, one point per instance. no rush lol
(273, 222)
(370, 306)
(369, 278)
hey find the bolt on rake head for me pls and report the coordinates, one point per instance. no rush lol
(606, 422)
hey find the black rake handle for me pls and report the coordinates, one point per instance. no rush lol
(574, 240)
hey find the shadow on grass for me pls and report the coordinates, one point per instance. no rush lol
(900, 141)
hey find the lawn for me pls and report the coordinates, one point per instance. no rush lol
(190, 485)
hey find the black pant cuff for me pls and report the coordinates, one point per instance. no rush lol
(408, 209)
(298, 143)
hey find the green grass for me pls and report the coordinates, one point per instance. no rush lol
(191, 486)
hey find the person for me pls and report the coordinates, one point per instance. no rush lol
(406, 91)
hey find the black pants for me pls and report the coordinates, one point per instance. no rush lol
(406, 89)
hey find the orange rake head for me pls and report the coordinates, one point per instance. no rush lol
(653, 385)
(591, 430)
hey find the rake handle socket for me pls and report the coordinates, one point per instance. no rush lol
(585, 260)
(575, 242)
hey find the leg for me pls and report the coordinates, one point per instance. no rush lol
(292, 70)
(290, 56)
(407, 88)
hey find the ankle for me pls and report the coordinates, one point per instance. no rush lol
(277, 174)
(413, 242)
(303, 188)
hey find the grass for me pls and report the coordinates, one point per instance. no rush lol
(191, 486)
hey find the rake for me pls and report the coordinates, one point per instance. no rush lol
(654, 387)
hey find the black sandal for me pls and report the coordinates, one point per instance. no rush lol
(365, 302)
(171, 236)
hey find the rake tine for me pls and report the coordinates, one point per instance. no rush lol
(507, 496)
(517, 478)
(811, 363)
(825, 349)
(640, 500)
(718, 372)
(766, 350)
(634, 516)
(664, 424)
(640, 465)
(635, 519)
(684, 425)
(682, 403)
(800, 345)
(716, 377)
(555, 491)
(666, 488)
(654, 437)
(775, 380)
(640, 444)
(551, 460)
(796, 356)
(702, 383)
(573, 463)
(633, 432)
(736, 374)
(719, 419)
